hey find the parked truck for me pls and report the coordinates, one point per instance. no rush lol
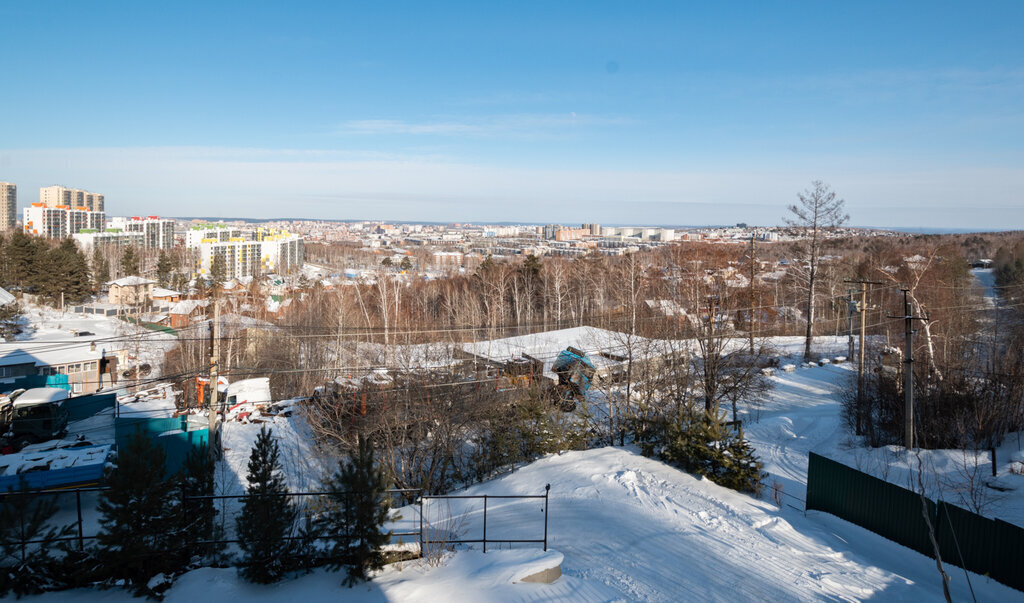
(31, 416)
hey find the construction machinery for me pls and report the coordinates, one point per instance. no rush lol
(575, 372)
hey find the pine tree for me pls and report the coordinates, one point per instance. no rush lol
(357, 514)
(5, 268)
(75, 272)
(100, 269)
(10, 320)
(199, 514)
(50, 277)
(218, 269)
(140, 515)
(266, 522)
(22, 251)
(701, 444)
(163, 269)
(742, 470)
(129, 261)
(26, 516)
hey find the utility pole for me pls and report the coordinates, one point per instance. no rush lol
(851, 307)
(863, 309)
(753, 265)
(214, 443)
(908, 371)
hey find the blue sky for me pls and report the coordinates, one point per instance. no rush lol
(627, 112)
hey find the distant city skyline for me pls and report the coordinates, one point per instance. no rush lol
(657, 113)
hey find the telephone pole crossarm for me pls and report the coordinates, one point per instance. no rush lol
(908, 369)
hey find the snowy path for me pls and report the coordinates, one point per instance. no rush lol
(802, 415)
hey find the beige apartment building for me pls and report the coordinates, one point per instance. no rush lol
(130, 291)
(62, 196)
(8, 205)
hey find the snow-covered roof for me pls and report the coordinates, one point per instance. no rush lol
(43, 352)
(161, 292)
(5, 297)
(41, 395)
(187, 306)
(62, 458)
(601, 345)
(131, 281)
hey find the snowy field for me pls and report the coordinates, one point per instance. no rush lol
(630, 529)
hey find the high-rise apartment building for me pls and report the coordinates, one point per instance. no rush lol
(158, 233)
(268, 252)
(88, 239)
(8, 205)
(202, 233)
(62, 196)
(60, 222)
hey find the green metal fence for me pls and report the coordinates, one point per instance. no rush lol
(177, 436)
(985, 546)
(83, 407)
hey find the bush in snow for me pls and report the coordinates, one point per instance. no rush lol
(26, 517)
(698, 443)
(522, 433)
(355, 518)
(266, 523)
(140, 535)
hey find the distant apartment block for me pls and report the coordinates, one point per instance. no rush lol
(8, 205)
(60, 222)
(195, 235)
(571, 234)
(640, 233)
(62, 196)
(157, 232)
(88, 238)
(268, 251)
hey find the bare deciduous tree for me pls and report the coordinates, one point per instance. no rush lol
(819, 210)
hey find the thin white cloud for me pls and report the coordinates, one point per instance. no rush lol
(526, 125)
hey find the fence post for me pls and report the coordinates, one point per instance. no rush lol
(422, 544)
(547, 490)
(485, 524)
(78, 504)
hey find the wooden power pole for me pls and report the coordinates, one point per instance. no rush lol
(753, 268)
(862, 308)
(214, 443)
(908, 371)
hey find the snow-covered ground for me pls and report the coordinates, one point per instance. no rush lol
(630, 529)
(802, 415)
